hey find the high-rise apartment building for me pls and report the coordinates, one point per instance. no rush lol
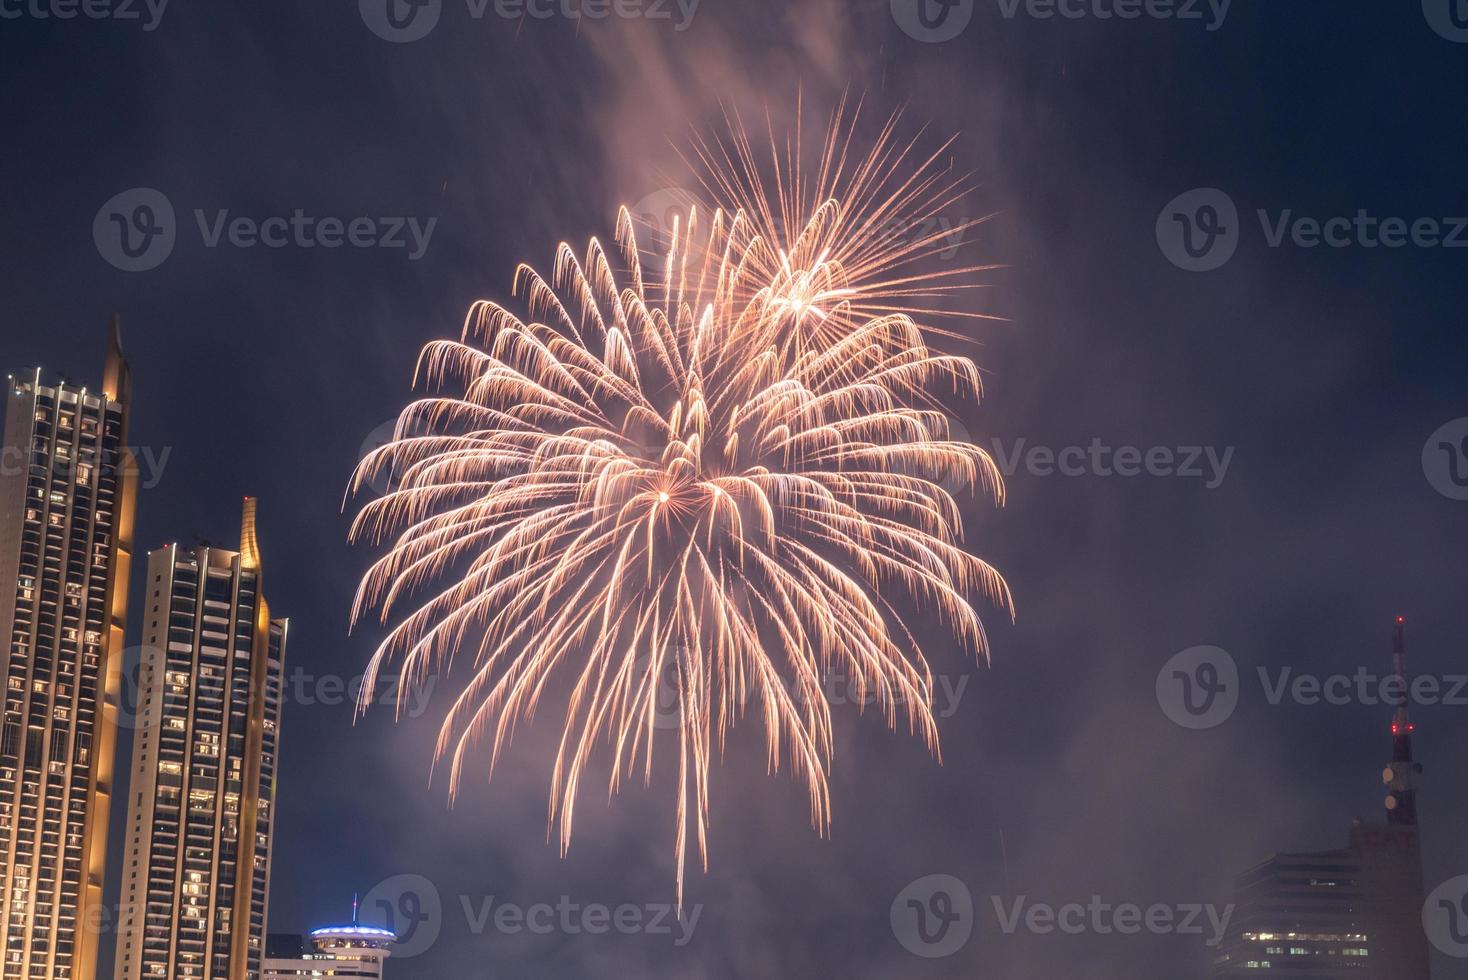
(67, 487)
(201, 805)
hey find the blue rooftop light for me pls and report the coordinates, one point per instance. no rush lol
(354, 930)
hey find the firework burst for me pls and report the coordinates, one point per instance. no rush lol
(713, 491)
(844, 241)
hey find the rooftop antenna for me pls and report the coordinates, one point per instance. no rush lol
(1401, 801)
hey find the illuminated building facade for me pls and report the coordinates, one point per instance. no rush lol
(354, 951)
(201, 805)
(1352, 914)
(67, 489)
(1298, 915)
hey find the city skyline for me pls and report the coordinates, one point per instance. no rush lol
(1361, 863)
(1222, 382)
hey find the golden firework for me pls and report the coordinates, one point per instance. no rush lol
(687, 498)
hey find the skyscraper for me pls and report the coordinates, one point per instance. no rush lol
(67, 489)
(1353, 913)
(201, 810)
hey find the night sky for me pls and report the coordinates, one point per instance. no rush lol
(1323, 370)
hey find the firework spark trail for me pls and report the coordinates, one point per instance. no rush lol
(855, 232)
(722, 487)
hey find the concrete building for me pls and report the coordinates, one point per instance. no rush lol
(1351, 914)
(354, 951)
(1298, 915)
(201, 807)
(67, 489)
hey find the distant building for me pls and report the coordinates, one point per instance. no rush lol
(66, 520)
(1392, 896)
(1352, 914)
(1298, 915)
(355, 951)
(203, 787)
